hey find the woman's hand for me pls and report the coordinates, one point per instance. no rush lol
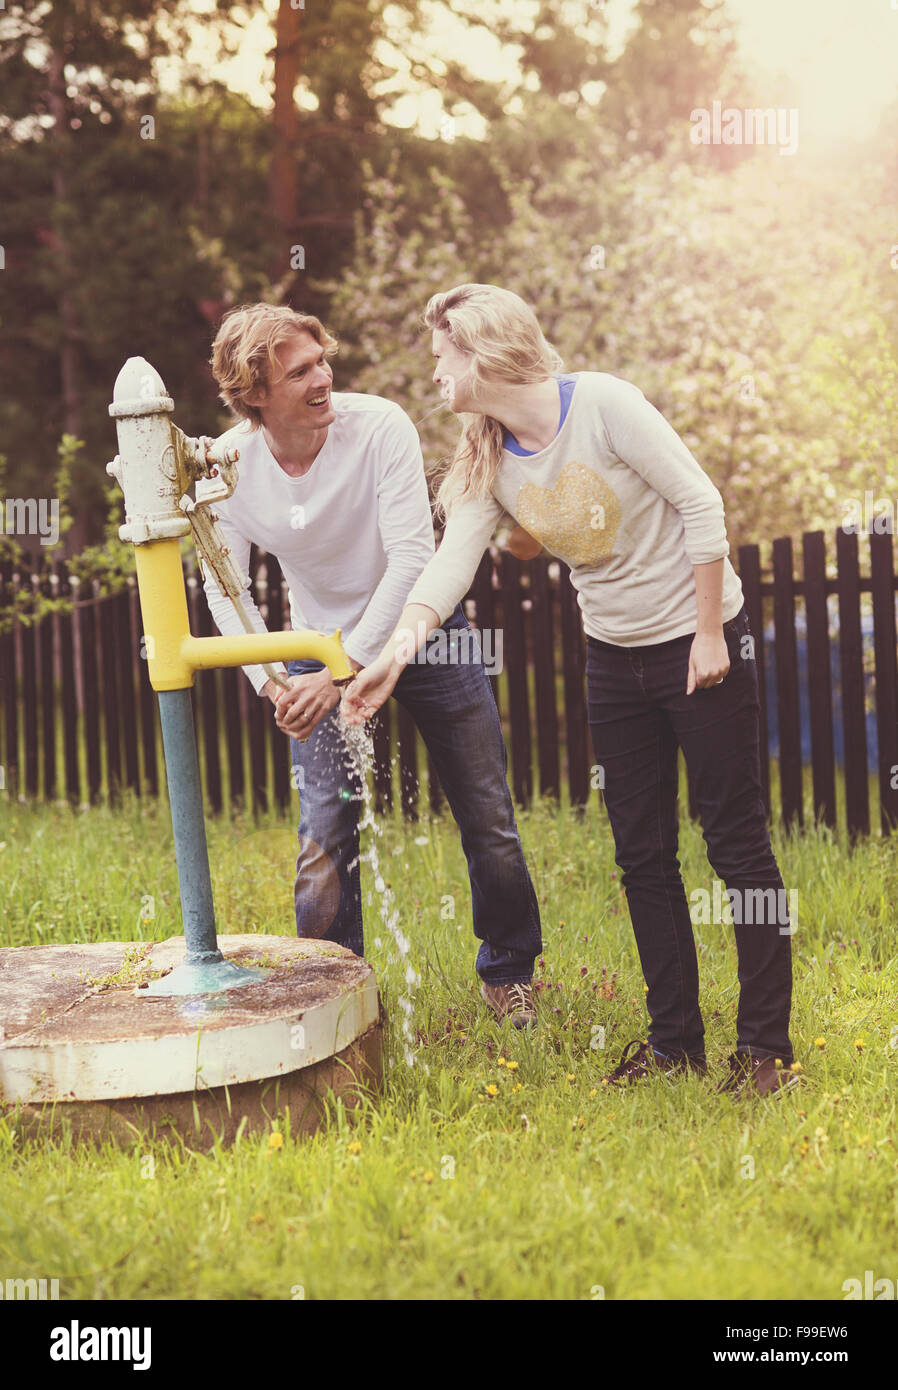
(522, 544)
(709, 661)
(371, 688)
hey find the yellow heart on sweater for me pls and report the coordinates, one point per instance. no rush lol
(577, 519)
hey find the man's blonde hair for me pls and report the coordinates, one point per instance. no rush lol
(502, 334)
(243, 353)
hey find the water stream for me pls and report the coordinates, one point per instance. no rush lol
(359, 761)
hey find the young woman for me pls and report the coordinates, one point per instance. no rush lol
(595, 474)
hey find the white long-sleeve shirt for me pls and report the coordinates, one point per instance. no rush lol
(352, 534)
(616, 495)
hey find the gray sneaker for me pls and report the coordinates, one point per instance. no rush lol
(514, 1002)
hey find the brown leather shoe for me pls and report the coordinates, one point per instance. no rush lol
(645, 1062)
(514, 1002)
(760, 1074)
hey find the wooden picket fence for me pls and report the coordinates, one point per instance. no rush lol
(79, 721)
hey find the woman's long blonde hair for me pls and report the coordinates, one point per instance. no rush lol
(507, 346)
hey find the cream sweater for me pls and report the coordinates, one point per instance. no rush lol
(618, 497)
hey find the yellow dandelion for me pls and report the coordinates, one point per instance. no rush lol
(500, 1062)
(511, 1066)
(864, 1140)
(257, 1218)
(516, 1087)
(859, 1044)
(275, 1140)
(481, 1096)
(796, 1067)
(355, 1147)
(428, 1176)
(593, 1093)
(571, 1076)
(820, 1042)
(492, 1090)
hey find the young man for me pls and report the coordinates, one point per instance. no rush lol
(333, 484)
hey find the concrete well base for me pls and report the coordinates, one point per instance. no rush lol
(82, 1045)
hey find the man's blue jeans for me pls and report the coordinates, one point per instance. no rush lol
(453, 707)
(639, 713)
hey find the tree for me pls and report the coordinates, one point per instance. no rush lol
(72, 75)
(681, 55)
(745, 314)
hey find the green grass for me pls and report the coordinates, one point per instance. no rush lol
(554, 1187)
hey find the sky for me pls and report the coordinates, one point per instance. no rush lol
(840, 55)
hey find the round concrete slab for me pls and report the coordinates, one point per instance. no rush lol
(82, 1041)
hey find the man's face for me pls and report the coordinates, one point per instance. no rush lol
(299, 390)
(450, 371)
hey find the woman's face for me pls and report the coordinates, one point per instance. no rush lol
(451, 369)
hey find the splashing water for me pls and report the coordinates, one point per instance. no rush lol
(360, 761)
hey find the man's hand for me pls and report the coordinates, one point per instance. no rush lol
(308, 700)
(709, 661)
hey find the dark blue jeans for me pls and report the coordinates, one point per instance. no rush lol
(452, 704)
(638, 715)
